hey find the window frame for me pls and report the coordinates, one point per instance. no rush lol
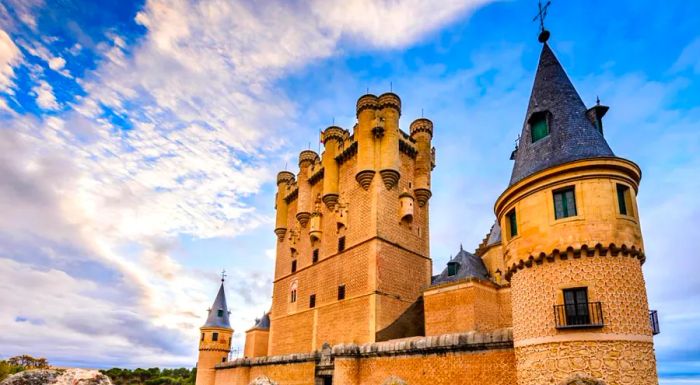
(341, 292)
(512, 223)
(341, 244)
(577, 312)
(624, 199)
(566, 212)
(535, 118)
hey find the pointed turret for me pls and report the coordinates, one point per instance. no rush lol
(215, 339)
(218, 314)
(557, 129)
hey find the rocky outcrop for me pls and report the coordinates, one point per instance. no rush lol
(58, 377)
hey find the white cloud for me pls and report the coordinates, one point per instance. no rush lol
(44, 96)
(57, 63)
(10, 57)
(389, 23)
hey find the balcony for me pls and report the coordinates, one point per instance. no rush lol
(579, 315)
(654, 321)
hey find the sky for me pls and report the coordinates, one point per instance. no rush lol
(139, 142)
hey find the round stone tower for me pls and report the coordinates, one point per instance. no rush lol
(214, 340)
(573, 245)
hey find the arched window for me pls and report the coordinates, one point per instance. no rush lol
(293, 292)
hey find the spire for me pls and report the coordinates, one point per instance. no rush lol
(218, 314)
(557, 117)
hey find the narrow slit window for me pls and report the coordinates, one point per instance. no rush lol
(312, 301)
(564, 203)
(294, 266)
(624, 199)
(341, 292)
(293, 296)
(341, 244)
(512, 223)
(314, 258)
(202, 337)
(539, 126)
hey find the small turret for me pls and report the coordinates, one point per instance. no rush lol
(304, 200)
(332, 139)
(215, 339)
(367, 125)
(283, 179)
(422, 133)
(390, 111)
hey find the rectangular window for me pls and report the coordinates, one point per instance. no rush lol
(512, 223)
(341, 244)
(215, 336)
(452, 268)
(564, 203)
(623, 199)
(341, 292)
(219, 313)
(294, 266)
(539, 127)
(576, 306)
(312, 301)
(314, 259)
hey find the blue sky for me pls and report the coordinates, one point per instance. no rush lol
(139, 143)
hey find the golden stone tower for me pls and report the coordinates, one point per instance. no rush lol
(215, 339)
(573, 245)
(352, 250)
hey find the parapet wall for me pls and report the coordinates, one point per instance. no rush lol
(483, 358)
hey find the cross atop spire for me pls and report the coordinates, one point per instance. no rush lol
(223, 275)
(542, 14)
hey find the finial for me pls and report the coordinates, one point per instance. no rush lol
(597, 100)
(367, 90)
(460, 247)
(421, 113)
(544, 34)
(391, 87)
(223, 275)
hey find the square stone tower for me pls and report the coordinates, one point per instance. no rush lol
(353, 249)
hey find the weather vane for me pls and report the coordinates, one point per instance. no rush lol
(223, 275)
(542, 14)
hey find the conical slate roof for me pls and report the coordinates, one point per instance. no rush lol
(468, 265)
(572, 136)
(218, 314)
(262, 323)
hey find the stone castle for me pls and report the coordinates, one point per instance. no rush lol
(553, 295)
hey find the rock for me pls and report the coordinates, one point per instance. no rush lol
(263, 380)
(58, 377)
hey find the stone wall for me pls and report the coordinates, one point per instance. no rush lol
(465, 305)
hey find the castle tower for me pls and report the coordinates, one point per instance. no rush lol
(215, 339)
(362, 259)
(573, 245)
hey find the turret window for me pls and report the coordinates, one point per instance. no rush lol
(564, 203)
(215, 336)
(539, 125)
(512, 223)
(624, 199)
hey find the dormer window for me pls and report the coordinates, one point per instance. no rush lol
(220, 313)
(452, 268)
(539, 125)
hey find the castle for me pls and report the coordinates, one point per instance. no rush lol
(553, 295)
